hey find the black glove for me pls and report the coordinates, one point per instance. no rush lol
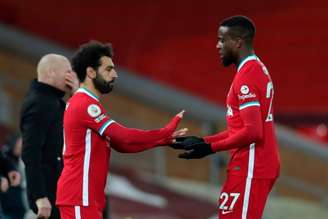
(196, 151)
(183, 142)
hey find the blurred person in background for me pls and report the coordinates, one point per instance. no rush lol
(90, 133)
(13, 200)
(5, 167)
(250, 136)
(41, 125)
(9, 176)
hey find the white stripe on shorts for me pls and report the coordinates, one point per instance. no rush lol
(77, 212)
(251, 159)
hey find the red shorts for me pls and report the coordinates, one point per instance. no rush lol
(243, 198)
(79, 212)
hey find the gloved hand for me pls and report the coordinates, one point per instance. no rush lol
(196, 151)
(183, 142)
(195, 147)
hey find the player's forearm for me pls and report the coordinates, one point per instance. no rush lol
(242, 138)
(124, 146)
(251, 132)
(127, 136)
(128, 140)
(217, 137)
(134, 148)
(131, 148)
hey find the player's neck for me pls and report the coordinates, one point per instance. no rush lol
(244, 54)
(91, 88)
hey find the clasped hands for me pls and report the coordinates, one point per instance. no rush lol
(195, 147)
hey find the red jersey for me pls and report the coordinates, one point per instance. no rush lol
(251, 87)
(86, 153)
(89, 134)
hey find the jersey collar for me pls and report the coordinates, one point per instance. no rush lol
(248, 58)
(87, 92)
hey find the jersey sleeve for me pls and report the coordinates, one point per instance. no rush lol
(121, 138)
(131, 140)
(250, 133)
(247, 92)
(94, 116)
(217, 137)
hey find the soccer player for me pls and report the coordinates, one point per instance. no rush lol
(89, 135)
(250, 136)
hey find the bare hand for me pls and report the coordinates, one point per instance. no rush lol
(179, 133)
(44, 208)
(4, 185)
(14, 178)
(72, 81)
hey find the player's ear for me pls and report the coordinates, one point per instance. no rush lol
(91, 73)
(239, 42)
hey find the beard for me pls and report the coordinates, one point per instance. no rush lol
(228, 56)
(227, 60)
(103, 86)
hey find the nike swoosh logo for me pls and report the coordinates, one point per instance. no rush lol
(226, 212)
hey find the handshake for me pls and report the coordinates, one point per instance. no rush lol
(194, 147)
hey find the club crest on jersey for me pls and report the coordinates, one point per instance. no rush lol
(244, 89)
(94, 110)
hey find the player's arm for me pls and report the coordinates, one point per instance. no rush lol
(248, 95)
(123, 139)
(35, 125)
(130, 140)
(251, 132)
(217, 137)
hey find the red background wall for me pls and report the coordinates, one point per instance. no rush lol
(174, 41)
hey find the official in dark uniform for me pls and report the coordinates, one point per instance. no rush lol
(41, 125)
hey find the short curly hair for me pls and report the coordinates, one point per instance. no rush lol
(241, 26)
(89, 55)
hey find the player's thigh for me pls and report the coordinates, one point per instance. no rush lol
(79, 212)
(230, 201)
(91, 213)
(243, 198)
(67, 212)
(260, 191)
